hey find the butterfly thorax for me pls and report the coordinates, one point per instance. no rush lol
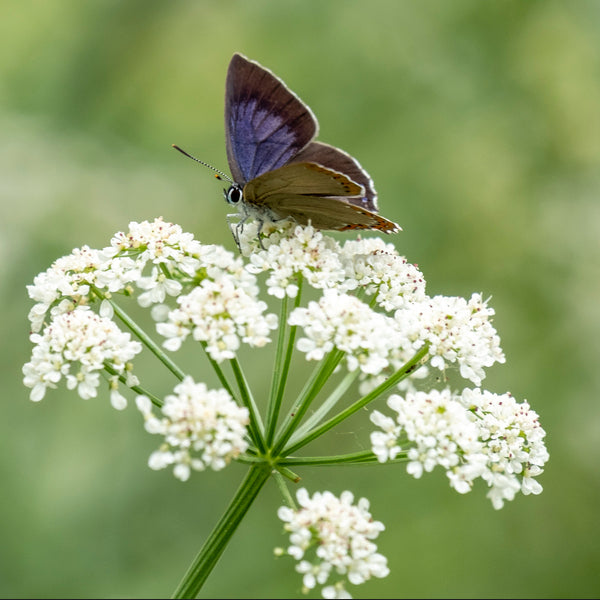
(235, 195)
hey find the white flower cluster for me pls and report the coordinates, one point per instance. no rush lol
(377, 267)
(63, 285)
(202, 428)
(342, 321)
(116, 268)
(156, 258)
(474, 434)
(76, 346)
(220, 313)
(457, 331)
(339, 534)
(292, 250)
(156, 261)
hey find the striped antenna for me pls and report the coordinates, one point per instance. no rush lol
(220, 174)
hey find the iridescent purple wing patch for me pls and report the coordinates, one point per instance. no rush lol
(266, 124)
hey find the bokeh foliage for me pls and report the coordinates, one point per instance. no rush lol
(480, 124)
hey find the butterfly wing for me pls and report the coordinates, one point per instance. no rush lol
(337, 214)
(338, 160)
(310, 192)
(266, 124)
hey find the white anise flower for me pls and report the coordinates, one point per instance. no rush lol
(158, 286)
(291, 250)
(220, 313)
(158, 241)
(332, 535)
(457, 330)
(376, 266)
(341, 321)
(438, 428)
(202, 429)
(76, 345)
(68, 277)
(470, 435)
(513, 443)
(384, 443)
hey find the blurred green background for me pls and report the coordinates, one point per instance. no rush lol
(480, 125)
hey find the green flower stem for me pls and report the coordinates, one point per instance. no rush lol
(356, 458)
(398, 376)
(143, 336)
(136, 388)
(215, 365)
(285, 492)
(365, 456)
(256, 425)
(311, 389)
(329, 403)
(274, 406)
(294, 477)
(280, 373)
(214, 546)
(250, 459)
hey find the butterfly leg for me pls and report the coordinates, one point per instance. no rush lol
(235, 229)
(259, 233)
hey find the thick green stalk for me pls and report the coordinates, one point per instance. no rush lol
(214, 546)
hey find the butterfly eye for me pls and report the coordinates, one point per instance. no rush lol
(234, 194)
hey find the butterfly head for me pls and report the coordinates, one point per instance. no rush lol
(234, 194)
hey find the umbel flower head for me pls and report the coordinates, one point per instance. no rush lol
(472, 434)
(331, 536)
(202, 428)
(369, 321)
(77, 346)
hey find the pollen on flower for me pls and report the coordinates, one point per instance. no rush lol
(202, 429)
(332, 538)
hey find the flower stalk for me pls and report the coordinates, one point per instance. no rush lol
(215, 544)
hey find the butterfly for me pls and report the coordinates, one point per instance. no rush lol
(279, 171)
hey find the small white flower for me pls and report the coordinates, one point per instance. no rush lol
(339, 534)
(158, 286)
(202, 428)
